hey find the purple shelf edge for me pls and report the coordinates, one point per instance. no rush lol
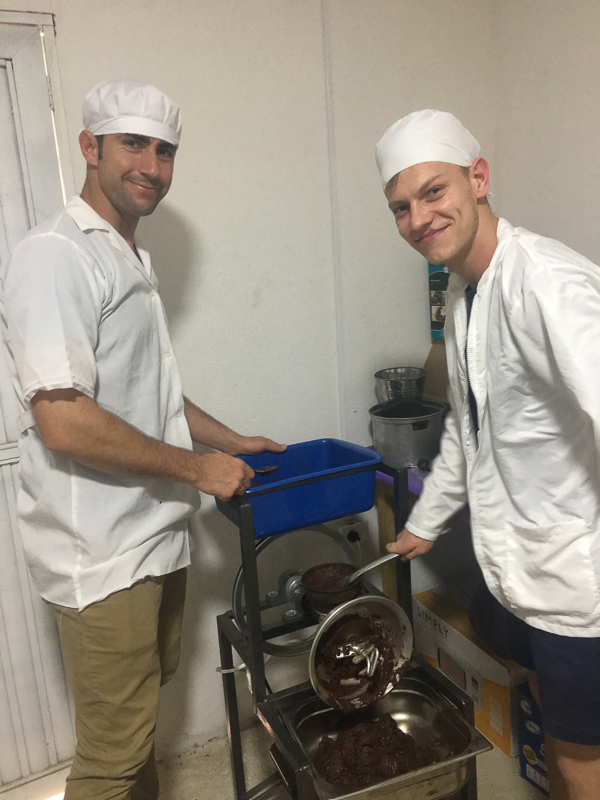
(415, 486)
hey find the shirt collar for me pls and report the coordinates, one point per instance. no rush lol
(85, 217)
(88, 220)
(504, 232)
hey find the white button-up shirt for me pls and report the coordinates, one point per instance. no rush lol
(80, 310)
(532, 474)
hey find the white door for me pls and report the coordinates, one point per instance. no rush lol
(36, 730)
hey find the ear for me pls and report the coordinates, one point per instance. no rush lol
(480, 177)
(89, 147)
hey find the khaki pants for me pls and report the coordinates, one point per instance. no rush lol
(117, 653)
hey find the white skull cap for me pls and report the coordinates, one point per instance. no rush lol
(426, 135)
(131, 107)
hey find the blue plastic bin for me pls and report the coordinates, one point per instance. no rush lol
(315, 482)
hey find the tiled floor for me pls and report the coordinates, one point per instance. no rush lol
(204, 773)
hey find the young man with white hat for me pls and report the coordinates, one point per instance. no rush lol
(108, 475)
(521, 443)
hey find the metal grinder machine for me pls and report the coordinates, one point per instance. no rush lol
(294, 493)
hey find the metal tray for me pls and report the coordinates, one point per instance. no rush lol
(418, 710)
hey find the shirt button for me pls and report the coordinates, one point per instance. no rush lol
(179, 414)
(167, 355)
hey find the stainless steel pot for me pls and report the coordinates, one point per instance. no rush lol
(320, 586)
(398, 382)
(406, 432)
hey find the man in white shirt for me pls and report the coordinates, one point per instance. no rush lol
(521, 443)
(108, 475)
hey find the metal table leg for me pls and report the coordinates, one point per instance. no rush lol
(234, 734)
(400, 507)
(256, 660)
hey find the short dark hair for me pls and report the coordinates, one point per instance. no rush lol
(391, 184)
(100, 140)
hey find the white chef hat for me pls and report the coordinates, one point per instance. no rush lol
(131, 107)
(426, 135)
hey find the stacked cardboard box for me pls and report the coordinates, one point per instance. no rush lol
(445, 637)
(532, 754)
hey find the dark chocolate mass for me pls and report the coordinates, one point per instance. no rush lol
(368, 753)
(340, 678)
(327, 577)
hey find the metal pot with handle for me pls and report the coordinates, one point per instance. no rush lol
(407, 431)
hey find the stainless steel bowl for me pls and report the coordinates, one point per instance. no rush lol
(419, 711)
(392, 618)
(399, 382)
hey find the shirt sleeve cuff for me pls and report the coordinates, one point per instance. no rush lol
(430, 536)
(48, 386)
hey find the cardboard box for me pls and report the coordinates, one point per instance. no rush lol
(532, 753)
(436, 373)
(445, 637)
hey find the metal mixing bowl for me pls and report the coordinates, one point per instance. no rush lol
(391, 616)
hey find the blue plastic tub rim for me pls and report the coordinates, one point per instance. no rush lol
(371, 459)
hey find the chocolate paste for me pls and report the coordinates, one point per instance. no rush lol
(324, 586)
(327, 577)
(370, 752)
(341, 684)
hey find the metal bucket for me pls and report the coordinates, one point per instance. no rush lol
(406, 432)
(395, 383)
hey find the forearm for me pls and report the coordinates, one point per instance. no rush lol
(73, 424)
(206, 430)
(445, 489)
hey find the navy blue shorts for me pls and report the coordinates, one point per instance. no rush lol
(567, 667)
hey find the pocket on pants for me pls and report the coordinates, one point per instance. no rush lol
(549, 569)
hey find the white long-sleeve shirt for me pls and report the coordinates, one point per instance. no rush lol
(531, 476)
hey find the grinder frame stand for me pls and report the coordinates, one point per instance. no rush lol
(291, 761)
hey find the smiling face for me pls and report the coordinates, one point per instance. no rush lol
(135, 172)
(435, 206)
(127, 176)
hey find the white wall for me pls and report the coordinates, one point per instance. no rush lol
(242, 245)
(285, 281)
(548, 143)
(388, 58)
